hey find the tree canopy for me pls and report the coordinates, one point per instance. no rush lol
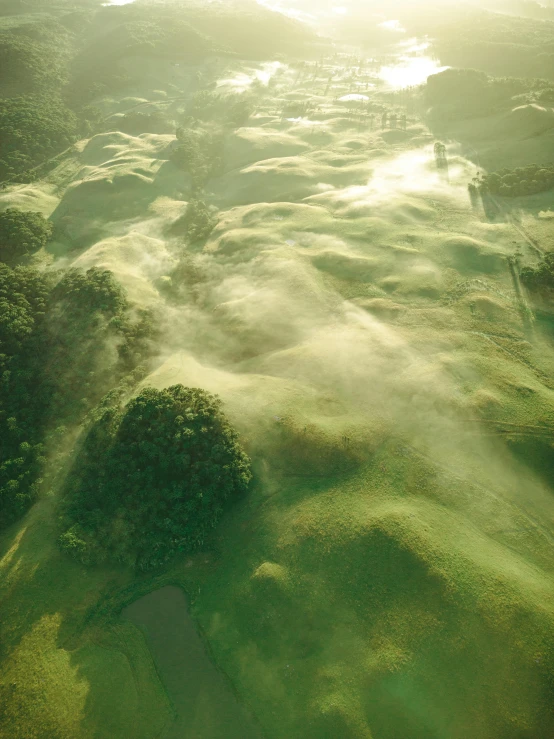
(530, 180)
(540, 277)
(464, 93)
(22, 233)
(502, 44)
(199, 153)
(23, 297)
(152, 478)
(64, 343)
(197, 223)
(33, 128)
(33, 57)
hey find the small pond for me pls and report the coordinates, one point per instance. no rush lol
(202, 697)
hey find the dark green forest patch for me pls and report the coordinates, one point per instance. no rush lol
(152, 478)
(64, 342)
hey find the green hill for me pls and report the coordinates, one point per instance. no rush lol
(388, 573)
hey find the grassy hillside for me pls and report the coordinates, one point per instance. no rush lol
(389, 572)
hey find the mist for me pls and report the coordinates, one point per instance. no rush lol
(336, 217)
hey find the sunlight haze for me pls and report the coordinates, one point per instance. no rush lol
(276, 369)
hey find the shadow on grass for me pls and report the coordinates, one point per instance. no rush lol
(62, 635)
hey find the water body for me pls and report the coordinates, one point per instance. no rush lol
(203, 699)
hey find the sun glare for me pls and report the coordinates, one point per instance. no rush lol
(278, 7)
(410, 72)
(393, 25)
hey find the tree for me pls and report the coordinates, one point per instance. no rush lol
(187, 154)
(197, 223)
(540, 277)
(199, 153)
(22, 233)
(152, 478)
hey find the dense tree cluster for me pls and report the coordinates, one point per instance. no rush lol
(540, 277)
(250, 31)
(23, 298)
(497, 43)
(530, 180)
(525, 60)
(33, 57)
(147, 34)
(199, 148)
(35, 122)
(197, 223)
(227, 110)
(64, 342)
(199, 152)
(21, 234)
(152, 478)
(464, 93)
(91, 341)
(20, 63)
(32, 129)
(51, 72)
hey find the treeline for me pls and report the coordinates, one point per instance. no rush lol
(197, 223)
(496, 43)
(465, 93)
(540, 277)
(511, 183)
(199, 151)
(65, 340)
(51, 72)
(35, 120)
(501, 58)
(528, 8)
(33, 128)
(200, 139)
(150, 479)
(21, 234)
(33, 57)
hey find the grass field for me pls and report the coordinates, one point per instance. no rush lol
(390, 575)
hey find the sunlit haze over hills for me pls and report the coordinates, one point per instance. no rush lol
(276, 369)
